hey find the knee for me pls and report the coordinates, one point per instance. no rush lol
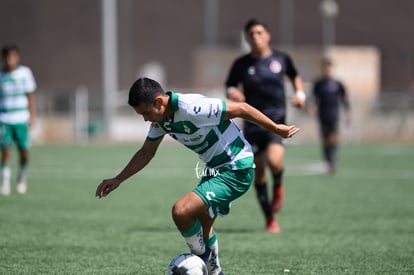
(276, 167)
(277, 170)
(178, 212)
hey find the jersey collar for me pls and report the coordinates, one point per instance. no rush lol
(174, 100)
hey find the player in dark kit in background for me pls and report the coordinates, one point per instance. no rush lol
(328, 94)
(258, 79)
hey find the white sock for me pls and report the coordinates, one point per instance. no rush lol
(215, 250)
(214, 263)
(194, 239)
(5, 175)
(22, 175)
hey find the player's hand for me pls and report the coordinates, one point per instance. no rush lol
(298, 101)
(287, 131)
(106, 187)
(236, 95)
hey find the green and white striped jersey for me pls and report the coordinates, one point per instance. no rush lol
(199, 124)
(14, 87)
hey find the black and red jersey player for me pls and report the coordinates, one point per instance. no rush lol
(258, 78)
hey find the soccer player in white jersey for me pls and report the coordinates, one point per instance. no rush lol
(205, 126)
(17, 114)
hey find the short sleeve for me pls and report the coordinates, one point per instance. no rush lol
(155, 131)
(30, 83)
(291, 71)
(233, 78)
(207, 111)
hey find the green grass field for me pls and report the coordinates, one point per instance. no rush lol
(360, 221)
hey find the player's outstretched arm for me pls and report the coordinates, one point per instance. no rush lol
(141, 158)
(248, 112)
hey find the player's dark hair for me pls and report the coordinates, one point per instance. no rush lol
(254, 22)
(5, 50)
(144, 90)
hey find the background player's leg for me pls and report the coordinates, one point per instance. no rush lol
(5, 171)
(22, 174)
(260, 184)
(275, 154)
(331, 148)
(22, 137)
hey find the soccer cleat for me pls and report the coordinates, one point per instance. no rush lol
(206, 256)
(21, 188)
(213, 265)
(271, 225)
(277, 202)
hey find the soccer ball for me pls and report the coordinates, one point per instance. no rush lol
(187, 264)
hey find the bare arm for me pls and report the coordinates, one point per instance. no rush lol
(347, 106)
(299, 99)
(141, 158)
(32, 108)
(297, 83)
(247, 112)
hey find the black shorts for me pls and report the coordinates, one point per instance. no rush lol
(260, 139)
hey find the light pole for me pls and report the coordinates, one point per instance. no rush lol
(109, 61)
(329, 10)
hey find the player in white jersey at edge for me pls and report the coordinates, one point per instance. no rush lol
(205, 126)
(17, 114)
